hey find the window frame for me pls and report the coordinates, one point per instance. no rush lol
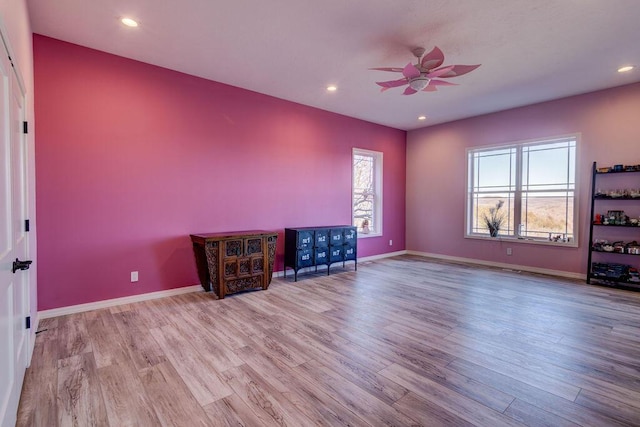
(378, 157)
(519, 191)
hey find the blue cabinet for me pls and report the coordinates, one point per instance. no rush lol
(314, 246)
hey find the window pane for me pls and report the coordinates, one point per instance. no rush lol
(546, 215)
(485, 208)
(363, 209)
(363, 191)
(546, 167)
(495, 170)
(363, 173)
(493, 180)
(366, 191)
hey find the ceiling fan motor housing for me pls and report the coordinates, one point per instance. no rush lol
(418, 52)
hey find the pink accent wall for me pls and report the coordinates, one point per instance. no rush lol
(132, 158)
(436, 171)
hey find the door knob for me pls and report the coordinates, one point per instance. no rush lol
(20, 265)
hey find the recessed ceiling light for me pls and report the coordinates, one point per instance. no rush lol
(129, 22)
(422, 118)
(625, 68)
(332, 88)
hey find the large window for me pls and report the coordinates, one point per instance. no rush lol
(367, 192)
(526, 189)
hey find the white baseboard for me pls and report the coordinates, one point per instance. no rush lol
(45, 314)
(72, 309)
(559, 273)
(381, 256)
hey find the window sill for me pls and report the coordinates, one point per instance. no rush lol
(528, 241)
(362, 235)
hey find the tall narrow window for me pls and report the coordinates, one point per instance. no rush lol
(528, 188)
(367, 191)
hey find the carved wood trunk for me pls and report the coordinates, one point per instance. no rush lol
(235, 261)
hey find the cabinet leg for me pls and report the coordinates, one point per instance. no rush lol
(295, 275)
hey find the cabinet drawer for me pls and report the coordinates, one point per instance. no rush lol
(305, 257)
(253, 247)
(335, 253)
(305, 239)
(230, 268)
(233, 248)
(322, 255)
(337, 237)
(350, 236)
(349, 252)
(322, 238)
(242, 247)
(244, 283)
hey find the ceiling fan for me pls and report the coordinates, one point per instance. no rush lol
(421, 76)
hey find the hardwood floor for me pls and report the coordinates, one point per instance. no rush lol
(403, 341)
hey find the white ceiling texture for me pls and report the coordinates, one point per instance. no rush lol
(530, 50)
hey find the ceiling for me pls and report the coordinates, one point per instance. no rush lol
(530, 50)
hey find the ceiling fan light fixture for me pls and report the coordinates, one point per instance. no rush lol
(419, 83)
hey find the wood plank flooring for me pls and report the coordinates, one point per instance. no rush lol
(405, 341)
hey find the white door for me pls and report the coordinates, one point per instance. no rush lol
(14, 287)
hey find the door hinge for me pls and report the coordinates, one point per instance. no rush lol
(26, 225)
(25, 127)
(28, 322)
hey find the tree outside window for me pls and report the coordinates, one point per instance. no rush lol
(367, 191)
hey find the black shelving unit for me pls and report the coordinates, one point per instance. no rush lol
(595, 273)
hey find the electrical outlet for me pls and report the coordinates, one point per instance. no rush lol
(134, 276)
(509, 251)
(390, 242)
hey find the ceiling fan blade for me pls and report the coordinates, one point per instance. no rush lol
(458, 70)
(394, 69)
(424, 73)
(410, 71)
(434, 82)
(433, 59)
(440, 71)
(409, 91)
(392, 83)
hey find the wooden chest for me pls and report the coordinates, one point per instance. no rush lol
(235, 261)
